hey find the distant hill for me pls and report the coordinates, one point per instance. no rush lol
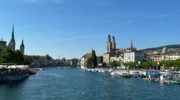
(174, 46)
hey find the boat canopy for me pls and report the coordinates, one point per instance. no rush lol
(3, 66)
(167, 74)
(135, 74)
(152, 73)
(17, 66)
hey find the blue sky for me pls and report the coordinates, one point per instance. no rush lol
(71, 28)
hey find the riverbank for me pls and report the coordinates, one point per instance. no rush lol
(157, 76)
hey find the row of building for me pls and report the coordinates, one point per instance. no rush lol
(120, 54)
(11, 44)
(130, 54)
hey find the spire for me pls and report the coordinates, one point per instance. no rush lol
(22, 43)
(109, 44)
(113, 43)
(113, 39)
(132, 44)
(12, 43)
(109, 38)
(22, 47)
(12, 37)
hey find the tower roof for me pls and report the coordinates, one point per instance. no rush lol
(113, 39)
(12, 37)
(22, 43)
(109, 38)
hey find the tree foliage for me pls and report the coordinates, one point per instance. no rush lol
(100, 59)
(15, 57)
(48, 57)
(114, 64)
(89, 63)
(146, 64)
(27, 60)
(92, 61)
(130, 64)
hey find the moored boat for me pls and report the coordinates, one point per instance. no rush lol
(176, 82)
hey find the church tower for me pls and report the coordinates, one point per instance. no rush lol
(22, 47)
(109, 44)
(113, 43)
(12, 42)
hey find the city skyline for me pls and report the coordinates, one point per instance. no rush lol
(66, 29)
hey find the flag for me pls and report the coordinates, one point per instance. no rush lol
(157, 62)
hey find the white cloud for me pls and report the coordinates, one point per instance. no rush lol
(40, 1)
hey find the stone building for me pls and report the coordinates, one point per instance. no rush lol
(164, 55)
(132, 56)
(120, 55)
(113, 43)
(2, 45)
(110, 44)
(110, 49)
(83, 62)
(74, 62)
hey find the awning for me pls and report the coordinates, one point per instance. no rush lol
(17, 66)
(167, 74)
(152, 73)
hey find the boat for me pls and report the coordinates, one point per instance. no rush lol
(32, 72)
(176, 82)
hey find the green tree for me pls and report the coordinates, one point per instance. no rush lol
(146, 64)
(68, 63)
(19, 58)
(7, 56)
(27, 60)
(114, 64)
(130, 64)
(100, 59)
(15, 57)
(89, 63)
(48, 57)
(94, 59)
(168, 63)
(177, 64)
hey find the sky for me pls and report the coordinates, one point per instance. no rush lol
(71, 28)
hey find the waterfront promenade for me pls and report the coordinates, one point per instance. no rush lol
(75, 84)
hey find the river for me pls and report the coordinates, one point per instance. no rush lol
(75, 84)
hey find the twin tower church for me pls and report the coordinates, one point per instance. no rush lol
(12, 43)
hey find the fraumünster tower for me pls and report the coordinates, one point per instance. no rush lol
(12, 43)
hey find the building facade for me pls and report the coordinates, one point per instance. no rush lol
(83, 61)
(118, 58)
(74, 62)
(2, 45)
(132, 56)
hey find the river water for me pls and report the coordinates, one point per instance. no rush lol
(75, 84)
